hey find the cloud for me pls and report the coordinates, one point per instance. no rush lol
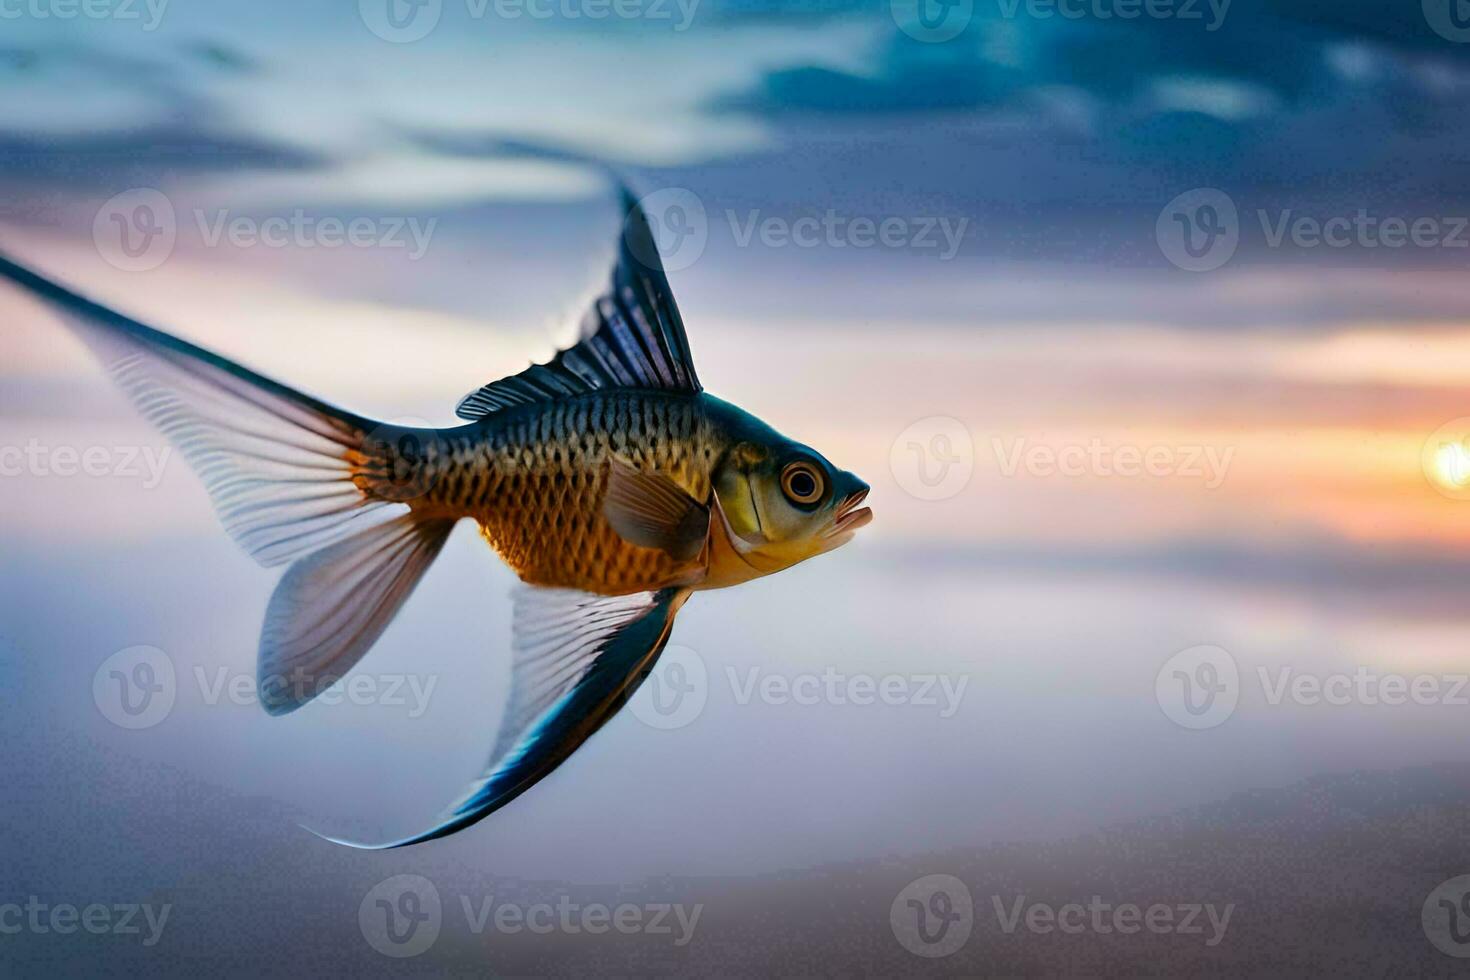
(1229, 60)
(1399, 25)
(908, 76)
(490, 146)
(66, 65)
(170, 130)
(826, 90)
(150, 154)
(223, 57)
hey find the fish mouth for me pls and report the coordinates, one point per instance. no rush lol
(850, 516)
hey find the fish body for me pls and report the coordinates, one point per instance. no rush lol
(535, 482)
(535, 479)
(608, 480)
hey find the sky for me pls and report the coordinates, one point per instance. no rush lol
(1148, 329)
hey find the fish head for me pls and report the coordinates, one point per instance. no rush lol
(782, 502)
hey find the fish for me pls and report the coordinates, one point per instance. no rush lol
(607, 479)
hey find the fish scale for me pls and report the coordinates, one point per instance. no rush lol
(534, 478)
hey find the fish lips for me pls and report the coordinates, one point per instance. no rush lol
(848, 518)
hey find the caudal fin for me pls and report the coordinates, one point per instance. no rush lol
(293, 479)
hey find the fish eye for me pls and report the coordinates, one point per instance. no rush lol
(803, 483)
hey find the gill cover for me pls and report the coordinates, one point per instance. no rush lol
(778, 503)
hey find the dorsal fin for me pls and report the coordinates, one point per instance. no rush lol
(633, 337)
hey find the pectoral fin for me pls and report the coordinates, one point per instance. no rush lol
(652, 511)
(578, 658)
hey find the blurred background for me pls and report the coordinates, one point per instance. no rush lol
(1146, 321)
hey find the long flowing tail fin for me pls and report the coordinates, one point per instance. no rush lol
(292, 478)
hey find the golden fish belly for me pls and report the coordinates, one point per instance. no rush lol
(534, 478)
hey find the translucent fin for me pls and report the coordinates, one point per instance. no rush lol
(652, 511)
(278, 464)
(633, 337)
(292, 478)
(331, 606)
(578, 658)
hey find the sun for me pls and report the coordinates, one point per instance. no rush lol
(1452, 465)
